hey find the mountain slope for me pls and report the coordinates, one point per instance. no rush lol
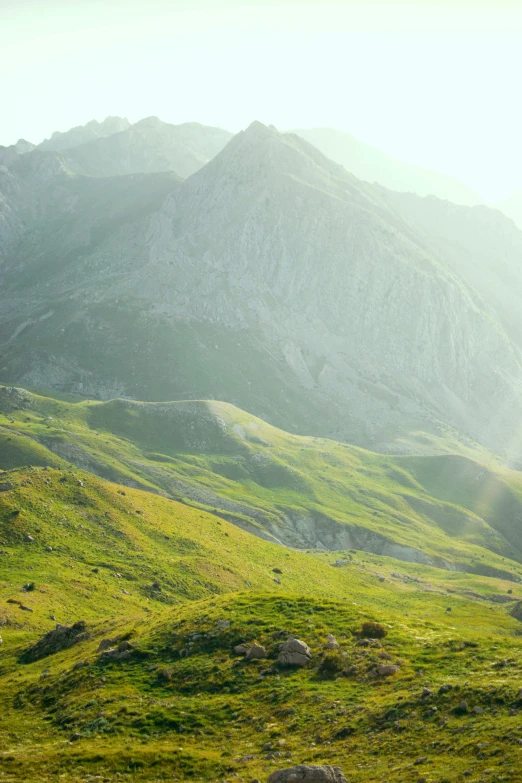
(151, 685)
(277, 281)
(303, 492)
(372, 165)
(9, 155)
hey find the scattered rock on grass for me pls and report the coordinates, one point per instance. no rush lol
(305, 773)
(256, 651)
(331, 642)
(294, 652)
(387, 670)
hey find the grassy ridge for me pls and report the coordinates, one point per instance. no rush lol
(307, 492)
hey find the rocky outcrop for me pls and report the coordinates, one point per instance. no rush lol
(61, 638)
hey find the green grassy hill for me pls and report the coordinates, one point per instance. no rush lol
(448, 511)
(181, 587)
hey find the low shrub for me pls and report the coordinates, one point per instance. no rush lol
(373, 630)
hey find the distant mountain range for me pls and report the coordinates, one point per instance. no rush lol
(170, 262)
(372, 165)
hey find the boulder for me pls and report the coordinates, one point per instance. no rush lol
(5, 487)
(123, 650)
(106, 643)
(241, 649)
(331, 642)
(256, 651)
(305, 773)
(294, 652)
(385, 670)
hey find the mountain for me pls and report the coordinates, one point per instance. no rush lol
(59, 142)
(9, 155)
(512, 207)
(272, 279)
(149, 146)
(373, 165)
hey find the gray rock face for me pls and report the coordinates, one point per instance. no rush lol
(304, 773)
(294, 652)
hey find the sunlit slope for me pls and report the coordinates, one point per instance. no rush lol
(94, 547)
(304, 492)
(182, 704)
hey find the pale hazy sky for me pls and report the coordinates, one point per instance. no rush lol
(436, 84)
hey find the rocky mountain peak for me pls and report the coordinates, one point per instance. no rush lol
(82, 133)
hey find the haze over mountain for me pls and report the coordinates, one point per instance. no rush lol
(271, 278)
(512, 207)
(82, 133)
(148, 146)
(373, 165)
(9, 155)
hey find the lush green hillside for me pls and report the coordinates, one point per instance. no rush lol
(180, 588)
(446, 511)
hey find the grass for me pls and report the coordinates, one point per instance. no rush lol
(447, 511)
(185, 586)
